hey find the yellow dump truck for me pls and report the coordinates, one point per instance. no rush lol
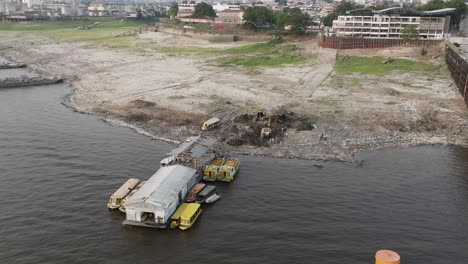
(210, 123)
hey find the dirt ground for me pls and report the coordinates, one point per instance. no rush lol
(320, 114)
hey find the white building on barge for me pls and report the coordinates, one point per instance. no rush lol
(155, 202)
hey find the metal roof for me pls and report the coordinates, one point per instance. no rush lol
(405, 11)
(410, 11)
(163, 187)
(194, 146)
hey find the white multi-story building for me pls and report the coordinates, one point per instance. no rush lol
(390, 22)
(223, 6)
(186, 8)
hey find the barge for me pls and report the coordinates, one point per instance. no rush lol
(116, 200)
(210, 173)
(157, 200)
(228, 170)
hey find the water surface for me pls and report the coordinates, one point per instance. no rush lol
(59, 167)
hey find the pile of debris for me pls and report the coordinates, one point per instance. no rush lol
(264, 128)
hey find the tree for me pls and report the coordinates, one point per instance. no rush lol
(379, 7)
(258, 16)
(139, 13)
(409, 33)
(457, 16)
(432, 5)
(172, 12)
(339, 10)
(203, 9)
(295, 18)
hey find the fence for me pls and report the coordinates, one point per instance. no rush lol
(370, 43)
(458, 68)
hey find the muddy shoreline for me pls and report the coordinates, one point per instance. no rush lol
(330, 127)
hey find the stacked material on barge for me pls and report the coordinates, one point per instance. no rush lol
(194, 152)
(27, 81)
(228, 170)
(155, 202)
(210, 173)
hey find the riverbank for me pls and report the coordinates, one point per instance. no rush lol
(169, 84)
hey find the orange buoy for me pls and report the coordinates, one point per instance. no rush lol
(387, 257)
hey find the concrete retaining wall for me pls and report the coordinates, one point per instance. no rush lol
(213, 37)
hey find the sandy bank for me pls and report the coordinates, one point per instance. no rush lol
(169, 84)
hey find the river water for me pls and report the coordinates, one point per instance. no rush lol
(59, 167)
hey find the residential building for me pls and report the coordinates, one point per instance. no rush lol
(186, 8)
(223, 6)
(197, 19)
(389, 23)
(98, 10)
(228, 18)
(107, 8)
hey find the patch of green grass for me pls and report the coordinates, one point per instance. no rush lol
(67, 30)
(262, 55)
(176, 97)
(355, 82)
(261, 61)
(175, 49)
(127, 41)
(266, 47)
(374, 65)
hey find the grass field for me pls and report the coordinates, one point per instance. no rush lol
(274, 53)
(67, 30)
(374, 65)
(103, 33)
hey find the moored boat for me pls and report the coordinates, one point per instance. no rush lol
(122, 206)
(175, 218)
(228, 170)
(117, 198)
(210, 173)
(190, 214)
(213, 198)
(206, 193)
(192, 196)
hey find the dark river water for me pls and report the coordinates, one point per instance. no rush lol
(58, 168)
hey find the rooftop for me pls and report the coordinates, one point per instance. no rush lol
(194, 146)
(403, 11)
(163, 187)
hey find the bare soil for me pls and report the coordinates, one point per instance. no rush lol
(316, 113)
